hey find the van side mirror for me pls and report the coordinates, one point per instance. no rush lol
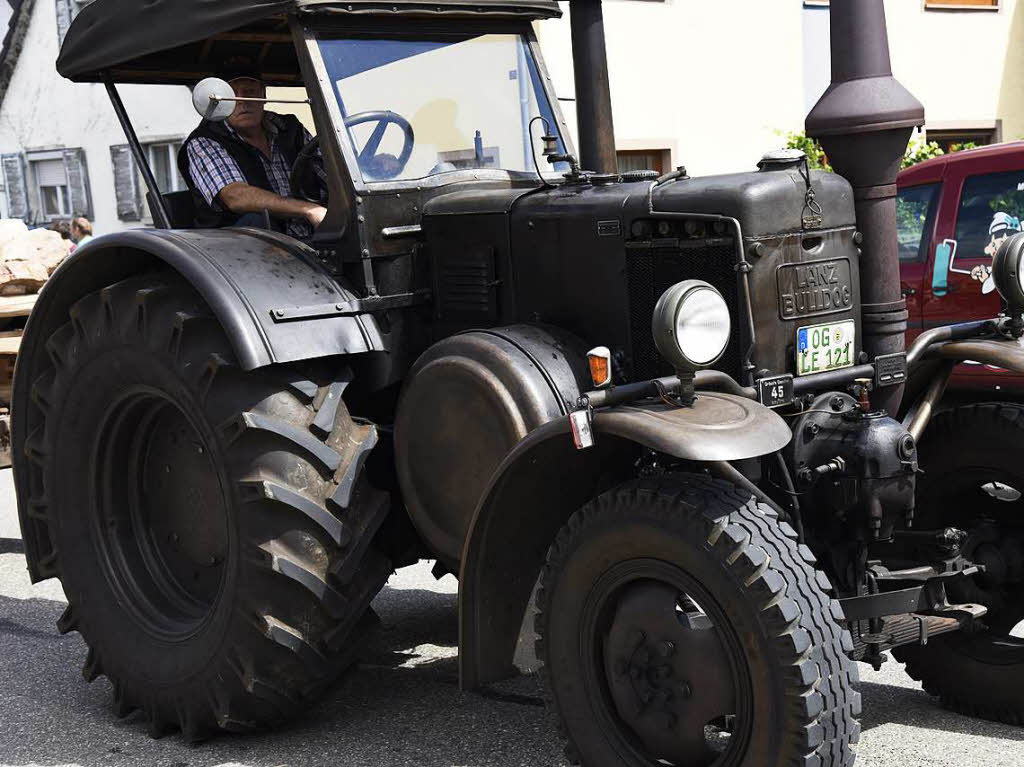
(940, 271)
(213, 99)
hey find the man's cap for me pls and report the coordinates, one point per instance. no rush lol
(1002, 222)
(239, 68)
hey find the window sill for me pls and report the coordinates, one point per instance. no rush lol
(966, 7)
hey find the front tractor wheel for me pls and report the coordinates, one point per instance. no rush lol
(209, 528)
(680, 623)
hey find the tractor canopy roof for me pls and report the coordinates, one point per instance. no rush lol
(182, 41)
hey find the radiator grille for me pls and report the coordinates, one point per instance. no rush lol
(651, 271)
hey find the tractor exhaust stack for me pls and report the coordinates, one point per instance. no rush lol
(593, 94)
(864, 122)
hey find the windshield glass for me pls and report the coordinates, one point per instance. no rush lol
(416, 107)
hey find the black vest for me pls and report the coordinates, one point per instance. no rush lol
(291, 137)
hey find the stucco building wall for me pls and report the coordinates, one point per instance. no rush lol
(43, 111)
(719, 83)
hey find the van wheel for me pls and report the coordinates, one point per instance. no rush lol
(210, 527)
(974, 481)
(679, 622)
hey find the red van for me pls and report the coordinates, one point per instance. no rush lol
(953, 213)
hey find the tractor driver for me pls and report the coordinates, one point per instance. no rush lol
(238, 169)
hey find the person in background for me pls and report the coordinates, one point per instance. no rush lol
(81, 231)
(63, 228)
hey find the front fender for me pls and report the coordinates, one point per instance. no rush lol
(545, 479)
(242, 274)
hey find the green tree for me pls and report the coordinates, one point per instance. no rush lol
(919, 150)
(815, 156)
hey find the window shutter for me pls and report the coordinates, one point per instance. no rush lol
(14, 178)
(78, 182)
(126, 183)
(65, 13)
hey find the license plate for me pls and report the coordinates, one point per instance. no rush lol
(825, 347)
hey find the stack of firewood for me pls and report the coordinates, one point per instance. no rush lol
(27, 258)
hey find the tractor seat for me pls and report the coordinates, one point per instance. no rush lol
(180, 207)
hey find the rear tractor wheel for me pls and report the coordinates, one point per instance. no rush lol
(212, 533)
(680, 623)
(974, 481)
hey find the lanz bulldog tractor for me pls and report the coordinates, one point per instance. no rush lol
(678, 410)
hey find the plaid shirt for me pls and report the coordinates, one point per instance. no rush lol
(212, 168)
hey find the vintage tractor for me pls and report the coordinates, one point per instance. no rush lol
(677, 410)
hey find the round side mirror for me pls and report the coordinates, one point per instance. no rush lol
(213, 99)
(1008, 272)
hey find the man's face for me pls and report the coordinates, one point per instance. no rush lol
(997, 240)
(247, 114)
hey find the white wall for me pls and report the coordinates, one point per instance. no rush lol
(718, 82)
(42, 110)
(955, 62)
(713, 81)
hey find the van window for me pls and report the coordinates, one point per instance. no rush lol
(991, 208)
(915, 216)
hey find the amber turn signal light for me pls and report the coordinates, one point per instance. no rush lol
(600, 359)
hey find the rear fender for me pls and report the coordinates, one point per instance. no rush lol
(545, 480)
(242, 274)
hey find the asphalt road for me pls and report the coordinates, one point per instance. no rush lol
(400, 706)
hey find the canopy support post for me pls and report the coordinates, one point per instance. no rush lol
(157, 203)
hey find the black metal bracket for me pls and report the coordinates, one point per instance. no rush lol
(350, 308)
(913, 600)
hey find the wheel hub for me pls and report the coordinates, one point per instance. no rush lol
(669, 674)
(161, 513)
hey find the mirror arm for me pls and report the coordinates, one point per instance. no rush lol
(217, 99)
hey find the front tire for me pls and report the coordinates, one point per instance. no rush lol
(210, 529)
(679, 622)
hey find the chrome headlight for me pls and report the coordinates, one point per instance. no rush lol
(1008, 272)
(691, 325)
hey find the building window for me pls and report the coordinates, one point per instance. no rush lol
(52, 182)
(966, 5)
(644, 159)
(963, 5)
(955, 137)
(163, 159)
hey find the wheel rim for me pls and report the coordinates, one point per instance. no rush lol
(987, 503)
(160, 514)
(668, 676)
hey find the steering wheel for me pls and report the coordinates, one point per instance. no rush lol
(377, 166)
(382, 166)
(301, 173)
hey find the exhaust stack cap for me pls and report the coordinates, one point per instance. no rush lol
(864, 97)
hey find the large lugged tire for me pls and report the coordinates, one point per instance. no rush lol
(964, 450)
(633, 584)
(211, 530)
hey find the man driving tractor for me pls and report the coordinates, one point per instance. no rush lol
(238, 169)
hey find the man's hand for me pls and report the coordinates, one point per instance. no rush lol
(315, 215)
